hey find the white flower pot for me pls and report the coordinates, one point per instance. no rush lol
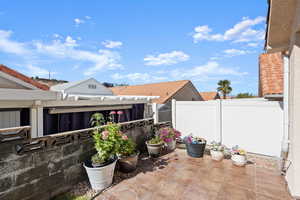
(216, 155)
(154, 149)
(171, 145)
(239, 160)
(101, 177)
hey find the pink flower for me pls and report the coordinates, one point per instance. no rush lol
(177, 134)
(112, 113)
(168, 139)
(124, 137)
(120, 112)
(105, 135)
(164, 132)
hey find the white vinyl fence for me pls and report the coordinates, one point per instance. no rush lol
(254, 124)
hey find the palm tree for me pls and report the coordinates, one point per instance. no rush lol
(224, 87)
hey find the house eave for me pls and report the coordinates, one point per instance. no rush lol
(279, 25)
(273, 96)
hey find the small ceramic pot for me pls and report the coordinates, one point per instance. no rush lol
(239, 160)
(171, 145)
(216, 155)
(154, 149)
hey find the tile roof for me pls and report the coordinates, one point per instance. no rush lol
(22, 77)
(163, 89)
(206, 96)
(270, 74)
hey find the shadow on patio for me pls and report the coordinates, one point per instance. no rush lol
(177, 176)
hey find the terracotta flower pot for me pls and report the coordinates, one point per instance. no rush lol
(128, 164)
(216, 155)
(154, 149)
(239, 160)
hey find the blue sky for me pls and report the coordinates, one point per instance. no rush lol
(136, 41)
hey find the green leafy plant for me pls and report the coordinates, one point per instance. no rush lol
(155, 140)
(128, 147)
(216, 146)
(245, 95)
(107, 142)
(97, 119)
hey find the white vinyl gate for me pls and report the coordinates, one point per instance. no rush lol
(254, 124)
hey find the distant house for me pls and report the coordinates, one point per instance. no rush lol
(271, 76)
(207, 96)
(88, 87)
(183, 90)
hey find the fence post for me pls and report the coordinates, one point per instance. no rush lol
(174, 113)
(155, 112)
(218, 136)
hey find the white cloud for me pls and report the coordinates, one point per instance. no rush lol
(56, 35)
(70, 42)
(243, 31)
(37, 71)
(210, 70)
(103, 59)
(112, 44)
(253, 44)
(88, 17)
(138, 77)
(236, 52)
(78, 21)
(7, 45)
(170, 58)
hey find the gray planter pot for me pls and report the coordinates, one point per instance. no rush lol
(171, 145)
(100, 177)
(128, 164)
(154, 149)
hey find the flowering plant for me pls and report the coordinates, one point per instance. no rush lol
(107, 142)
(156, 140)
(238, 151)
(216, 146)
(194, 140)
(168, 134)
(128, 147)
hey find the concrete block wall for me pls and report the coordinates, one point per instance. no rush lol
(44, 173)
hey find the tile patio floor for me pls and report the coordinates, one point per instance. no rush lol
(176, 176)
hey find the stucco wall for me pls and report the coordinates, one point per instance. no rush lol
(187, 93)
(84, 88)
(293, 173)
(4, 83)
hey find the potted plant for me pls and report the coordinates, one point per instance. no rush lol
(169, 136)
(154, 146)
(195, 146)
(100, 169)
(238, 156)
(128, 155)
(217, 151)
